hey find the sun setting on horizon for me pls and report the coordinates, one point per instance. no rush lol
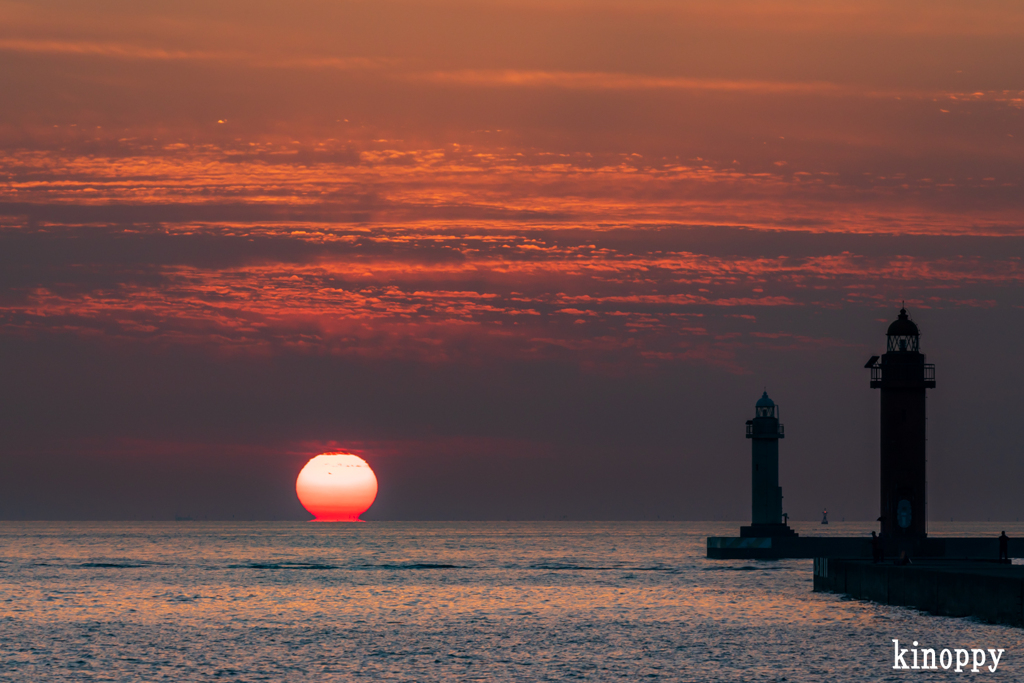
(512, 231)
(336, 487)
(534, 261)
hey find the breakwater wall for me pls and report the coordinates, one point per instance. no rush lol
(990, 591)
(781, 547)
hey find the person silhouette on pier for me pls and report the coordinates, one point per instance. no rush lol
(1004, 547)
(876, 548)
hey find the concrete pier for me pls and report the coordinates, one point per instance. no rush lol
(991, 591)
(782, 547)
(778, 548)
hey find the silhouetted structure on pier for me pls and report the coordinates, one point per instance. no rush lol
(903, 376)
(764, 432)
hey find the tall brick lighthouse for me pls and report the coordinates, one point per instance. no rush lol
(903, 376)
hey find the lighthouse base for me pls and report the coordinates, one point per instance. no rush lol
(767, 531)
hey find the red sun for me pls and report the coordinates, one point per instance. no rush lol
(336, 487)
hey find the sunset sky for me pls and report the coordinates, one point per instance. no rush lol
(530, 260)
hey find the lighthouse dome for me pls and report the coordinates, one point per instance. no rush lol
(765, 407)
(903, 326)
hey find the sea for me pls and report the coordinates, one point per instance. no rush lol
(445, 601)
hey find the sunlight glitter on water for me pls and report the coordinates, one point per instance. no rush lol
(437, 601)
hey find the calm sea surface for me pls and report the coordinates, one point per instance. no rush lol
(442, 601)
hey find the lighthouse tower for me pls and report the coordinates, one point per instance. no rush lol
(903, 376)
(764, 432)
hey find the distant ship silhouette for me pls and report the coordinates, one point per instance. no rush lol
(824, 516)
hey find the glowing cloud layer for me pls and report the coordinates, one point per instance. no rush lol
(561, 194)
